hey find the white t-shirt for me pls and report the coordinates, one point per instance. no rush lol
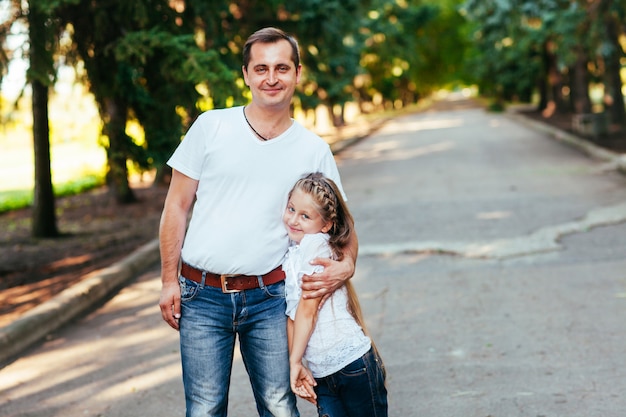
(236, 224)
(337, 339)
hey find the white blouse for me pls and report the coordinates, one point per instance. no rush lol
(337, 339)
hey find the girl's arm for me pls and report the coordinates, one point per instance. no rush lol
(299, 332)
(306, 316)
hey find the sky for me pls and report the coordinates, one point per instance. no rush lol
(13, 82)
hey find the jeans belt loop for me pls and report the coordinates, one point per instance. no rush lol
(203, 282)
(261, 283)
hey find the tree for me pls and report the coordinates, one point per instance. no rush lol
(142, 63)
(510, 49)
(95, 28)
(37, 18)
(609, 27)
(168, 67)
(571, 43)
(40, 75)
(331, 42)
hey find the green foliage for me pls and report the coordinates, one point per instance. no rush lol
(331, 43)
(524, 45)
(506, 60)
(413, 48)
(165, 71)
(149, 63)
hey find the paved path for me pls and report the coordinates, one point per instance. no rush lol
(491, 271)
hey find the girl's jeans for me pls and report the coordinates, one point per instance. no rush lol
(209, 322)
(358, 390)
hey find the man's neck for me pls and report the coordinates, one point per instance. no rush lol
(267, 113)
(267, 121)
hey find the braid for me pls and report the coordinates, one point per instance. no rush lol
(327, 199)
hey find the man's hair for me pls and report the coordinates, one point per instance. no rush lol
(270, 35)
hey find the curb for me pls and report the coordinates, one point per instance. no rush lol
(616, 160)
(42, 320)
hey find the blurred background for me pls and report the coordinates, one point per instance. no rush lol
(100, 92)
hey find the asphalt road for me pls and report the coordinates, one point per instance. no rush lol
(492, 273)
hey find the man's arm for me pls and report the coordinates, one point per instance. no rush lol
(335, 273)
(180, 197)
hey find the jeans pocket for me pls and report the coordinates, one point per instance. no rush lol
(356, 368)
(275, 290)
(188, 288)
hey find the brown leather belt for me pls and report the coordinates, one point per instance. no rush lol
(232, 283)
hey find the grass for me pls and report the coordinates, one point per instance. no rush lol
(17, 199)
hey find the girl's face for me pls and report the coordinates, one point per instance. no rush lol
(301, 217)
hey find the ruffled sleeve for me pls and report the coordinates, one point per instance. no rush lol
(297, 264)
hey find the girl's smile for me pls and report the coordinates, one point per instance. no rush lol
(302, 217)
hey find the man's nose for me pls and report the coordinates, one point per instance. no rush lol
(271, 77)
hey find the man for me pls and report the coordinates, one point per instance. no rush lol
(238, 165)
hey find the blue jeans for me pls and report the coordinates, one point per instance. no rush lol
(209, 323)
(358, 390)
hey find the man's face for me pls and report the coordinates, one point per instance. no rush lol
(271, 74)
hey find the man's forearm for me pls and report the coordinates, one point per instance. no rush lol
(171, 235)
(173, 225)
(351, 252)
(335, 273)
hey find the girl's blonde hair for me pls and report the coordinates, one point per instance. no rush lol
(332, 208)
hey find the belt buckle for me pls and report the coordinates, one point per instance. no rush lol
(224, 281)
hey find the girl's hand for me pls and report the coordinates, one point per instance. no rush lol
(302, 383)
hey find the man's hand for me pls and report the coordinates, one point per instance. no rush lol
(170, 304)
(334, 275)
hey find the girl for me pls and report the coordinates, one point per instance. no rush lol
(348, 376)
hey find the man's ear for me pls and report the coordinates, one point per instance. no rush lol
(244, 70)
(298, 73)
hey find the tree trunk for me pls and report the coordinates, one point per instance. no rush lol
(117, 153)
(616, 110)
(542, 83)
(339, 118)
(580, 84)
(162, 176)
(44, 216)
(554, 102)
(555, 88)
